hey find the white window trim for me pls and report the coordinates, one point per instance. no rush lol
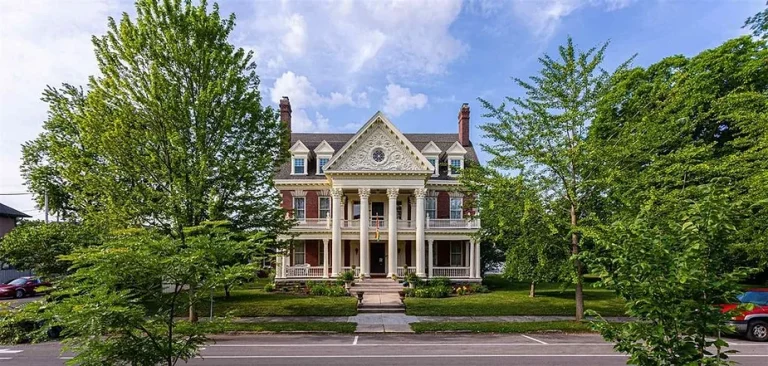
(318, 172)
(426, 206)
(304, 219)
(293, 164)
(437, 164)
(461, 208)
(461, 165)
(319, 206)
(303, 253)
(451, 253)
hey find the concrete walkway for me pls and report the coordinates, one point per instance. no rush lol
(407, 319)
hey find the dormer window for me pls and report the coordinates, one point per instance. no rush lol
(432, 153)
(299, 166)
(299, 158)
(324, 152)
(455, 159)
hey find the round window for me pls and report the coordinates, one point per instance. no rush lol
(378, 155)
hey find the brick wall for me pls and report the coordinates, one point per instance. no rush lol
(443, 205)
(312, 252)
(311, 204)
(287, 200)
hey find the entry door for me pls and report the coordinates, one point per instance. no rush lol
(377, 258)
(377, 210)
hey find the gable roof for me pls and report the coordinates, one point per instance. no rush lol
(6, 211)
(378, 117)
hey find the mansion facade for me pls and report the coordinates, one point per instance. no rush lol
(378, 202)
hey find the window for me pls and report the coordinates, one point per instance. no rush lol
(324, 205)
(433, 161)
(299, 166)
(431, 207)
(456, 208)
(299, 211)
(298, 254)
(320, 164)
(320, 253)
(455, 166)
(456, 254)
(399, 210)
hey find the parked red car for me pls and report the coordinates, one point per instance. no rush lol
(22, 286)
(752, 323)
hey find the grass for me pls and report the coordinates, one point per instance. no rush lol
(252, 300)
(276, 327)
(499, 327)
(511, 298)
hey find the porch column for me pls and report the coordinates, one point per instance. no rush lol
(325, 258)
(431, 258)
(478, 267)
(471, 258)
(286, 264)
(420, 214)
(392, 226)
(279, 270)
(336, 231)
(364, 222)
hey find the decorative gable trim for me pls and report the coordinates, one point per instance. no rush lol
(431, 149)
(324, 149)
(422, 164)
(456, 149)
(299, 149)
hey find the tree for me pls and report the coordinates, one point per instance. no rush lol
(516, 223)
(758, 23)
(37, 246)
(683, 123)
(673, 271)
(543, 135)
(127, 316)
(171, 133)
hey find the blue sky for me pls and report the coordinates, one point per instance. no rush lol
(341, 61)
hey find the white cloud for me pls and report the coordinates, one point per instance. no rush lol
(399, 100)
(294, 39)
(300, 122)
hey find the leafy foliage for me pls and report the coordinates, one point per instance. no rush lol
(758, 23)
(37, 246)
(673, 275)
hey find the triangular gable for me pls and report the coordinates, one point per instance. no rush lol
(378, 133)
(299, 148)
(456, 149)
(324, 149)
(431, 149)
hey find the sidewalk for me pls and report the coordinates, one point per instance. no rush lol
(407, 319)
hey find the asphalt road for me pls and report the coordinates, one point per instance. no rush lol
(395, 350)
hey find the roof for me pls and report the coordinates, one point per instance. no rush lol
(337, 140)
(6, 211)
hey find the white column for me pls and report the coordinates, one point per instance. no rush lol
(279, 270)
(478, 267)
(364, 221)
(325, 258)
(431, 258)
(286, 264)
(420, 215)
(336, 231)
(472, 258)
(392, 226)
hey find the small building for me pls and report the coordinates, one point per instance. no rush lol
(379, 202)
(9, 217)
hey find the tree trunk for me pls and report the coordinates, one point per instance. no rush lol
(533, 290)
(575, 251)
(192, 310)
(226, 291)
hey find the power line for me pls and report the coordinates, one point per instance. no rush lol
(15, 194)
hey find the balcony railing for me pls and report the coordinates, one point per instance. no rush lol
(314, 223)
(453, 224)
(401, 272)
(303, 272)
(450, 272)
(356, 270)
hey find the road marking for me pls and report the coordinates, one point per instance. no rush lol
(6, 350)
(6, 358)
(355, 341)
(406, 356)
(533, 339)
(409, 344)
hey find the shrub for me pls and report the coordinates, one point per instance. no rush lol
(478, 288)
(432, 291)
(325, 289)
(30, 324)
(348, 276)
(440, 281)
(269, 287)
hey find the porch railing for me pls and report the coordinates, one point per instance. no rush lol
(303, 272)
(453, 223)
(450, 272)
(350, 224)
(314, 223)
(401, 272)
(380, 223)
(406, 224)
(357, 270)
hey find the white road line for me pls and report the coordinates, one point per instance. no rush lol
(409, 356)
(5, 358)
(320, 345)
(533, 339)
(6, 351)
(355, 341)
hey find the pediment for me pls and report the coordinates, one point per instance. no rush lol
(324, 149)
(378, 146)
(299, 148)
(456, 149)
(431, 149)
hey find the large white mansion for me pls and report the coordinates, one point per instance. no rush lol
(380, 201)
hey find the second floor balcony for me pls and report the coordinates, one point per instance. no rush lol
(383, 224)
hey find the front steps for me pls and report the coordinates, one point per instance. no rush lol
(379, 296)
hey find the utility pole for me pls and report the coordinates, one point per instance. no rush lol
(46, 205)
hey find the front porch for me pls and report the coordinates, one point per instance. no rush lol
(457, 260)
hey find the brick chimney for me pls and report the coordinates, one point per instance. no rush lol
(464, 125)
(285, 112)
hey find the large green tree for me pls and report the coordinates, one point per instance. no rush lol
(542, 135)
(758, 23)
(170, 133)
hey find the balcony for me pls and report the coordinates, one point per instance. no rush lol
(453, 224)
(382, 224)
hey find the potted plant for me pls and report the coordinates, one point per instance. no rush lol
(360, 297)
(361, 277)
(402, 296)
(353, 275)
(348, 277)
(411, 279)
(394, 277)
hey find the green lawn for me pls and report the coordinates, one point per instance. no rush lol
(511, 298)
(253, 301)
(498, 327)
(285, 327)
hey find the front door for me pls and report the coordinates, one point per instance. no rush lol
(377, 258)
